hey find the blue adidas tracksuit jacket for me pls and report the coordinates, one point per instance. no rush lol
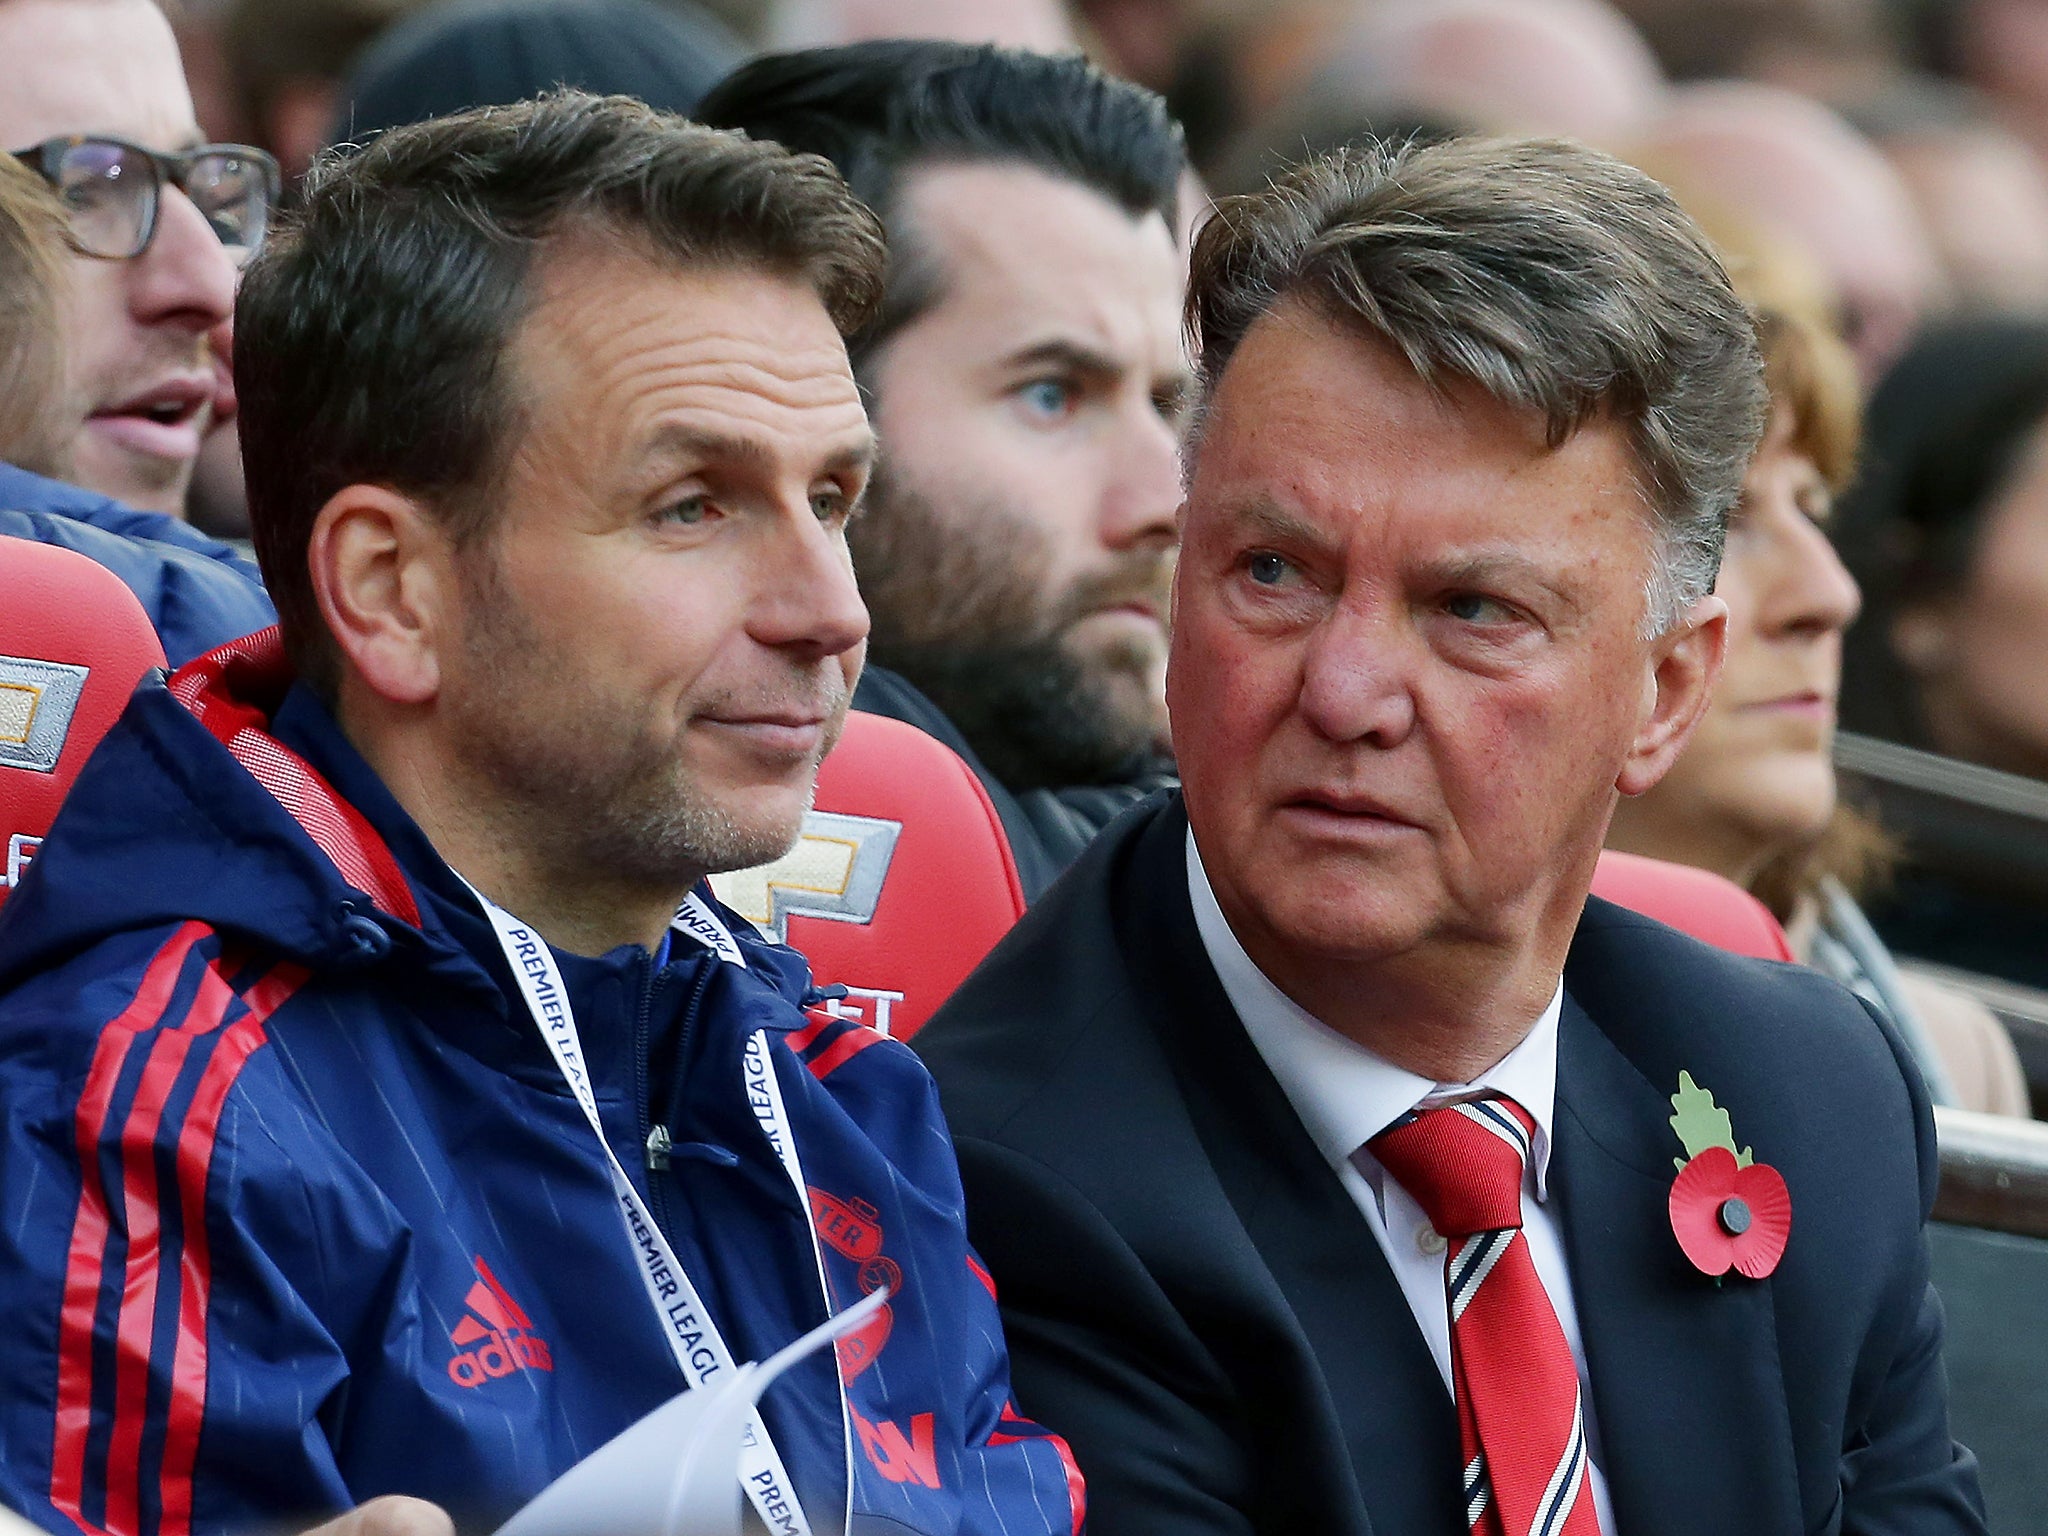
(296, 1209)
(198, 592)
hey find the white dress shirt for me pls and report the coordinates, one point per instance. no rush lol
(1346, 1095)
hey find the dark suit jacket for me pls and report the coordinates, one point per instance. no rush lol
(1193, 1300)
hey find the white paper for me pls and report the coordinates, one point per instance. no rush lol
(676, 1472)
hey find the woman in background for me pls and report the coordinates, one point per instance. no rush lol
(1950, 530)
(1753, 797)
(1947, 529)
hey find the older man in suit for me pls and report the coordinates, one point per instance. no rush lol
(1323, 1137)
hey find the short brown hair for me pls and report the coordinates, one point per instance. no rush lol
(881, 109)
(1812, 378)
(1554, 277)
(371, 332)
(32, 380)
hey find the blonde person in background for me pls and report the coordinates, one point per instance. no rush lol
(94, 104)
(33, 426)
(1754, 796)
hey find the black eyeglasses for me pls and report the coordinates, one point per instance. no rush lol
(112, 190)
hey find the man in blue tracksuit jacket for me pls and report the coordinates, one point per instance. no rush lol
(324, 1144)
(198, 592)
(331, 1186)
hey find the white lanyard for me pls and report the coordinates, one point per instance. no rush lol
(700, 1351)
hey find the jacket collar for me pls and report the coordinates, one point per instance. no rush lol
(235, 693)
(412, 882)
(189, 810)
(402, 893)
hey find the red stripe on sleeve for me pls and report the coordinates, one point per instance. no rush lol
(194, 1159)
(988, 1280)
(1077, 1485)
(841, 1051)
(87, 1254)
(801, 1040)
(137, 1330)
(273, 989)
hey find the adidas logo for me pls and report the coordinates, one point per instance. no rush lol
(497, 1337)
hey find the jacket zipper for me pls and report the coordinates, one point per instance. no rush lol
(656, 1139)
(654, 1136)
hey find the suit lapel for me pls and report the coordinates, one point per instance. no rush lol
(1378, 1379)
(1687, 1389)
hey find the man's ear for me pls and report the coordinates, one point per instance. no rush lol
(1685, 664)
(383, 574)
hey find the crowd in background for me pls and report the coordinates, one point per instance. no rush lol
(1873, 170)
(1875, 173)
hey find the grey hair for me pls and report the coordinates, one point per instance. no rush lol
(1552, 276)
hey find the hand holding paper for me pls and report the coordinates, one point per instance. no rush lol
(676, 1472)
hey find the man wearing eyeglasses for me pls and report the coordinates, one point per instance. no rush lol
(93, 99)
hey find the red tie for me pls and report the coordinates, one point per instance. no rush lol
(1519, 1425)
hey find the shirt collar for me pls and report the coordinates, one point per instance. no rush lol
(1344, 1093)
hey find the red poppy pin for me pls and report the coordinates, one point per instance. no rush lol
(1728, 1210)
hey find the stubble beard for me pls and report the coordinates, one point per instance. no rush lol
(590, 787)
(960, 610)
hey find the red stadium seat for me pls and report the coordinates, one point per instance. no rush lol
(1712, 909)
(901, 881)
(73, 644)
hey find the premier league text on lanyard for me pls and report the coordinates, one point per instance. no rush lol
(700, 1350)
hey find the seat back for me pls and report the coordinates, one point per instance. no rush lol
(1711, 908)
(1989, 1244)
(73, 644)
(901, 881)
